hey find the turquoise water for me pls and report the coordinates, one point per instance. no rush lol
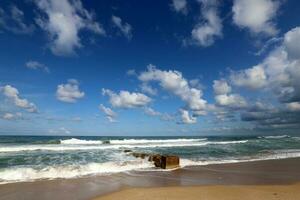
(30, 158)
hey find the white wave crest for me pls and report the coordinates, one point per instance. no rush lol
(276, 136)
(275, 155)
(25, 174)
(78, 141)
(148, 141)
(110, 146)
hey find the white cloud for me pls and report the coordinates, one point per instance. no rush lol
(36, 65)
(223, 97)
(8, 116)
(278, 76)
(109, 113)
(252, 78)
(205, 33)
(125, 28)
(256, 15)
(179, 6)
(61, 130)
(174, 82)
(186, 118)
(11, 116)
(151, 112)
(13, 94)
(148, 89)
(13, 20)
(126, 99)
(69, 92)
(278, 72)
(196, 84)
(221, 87)
(65, 19)
(294, 106)
(291, 43)
(231, 100)
(163, 116)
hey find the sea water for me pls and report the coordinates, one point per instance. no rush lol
(30, 158)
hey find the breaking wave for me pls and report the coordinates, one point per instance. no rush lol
(83, 146)
(78, 141)
(26, 174)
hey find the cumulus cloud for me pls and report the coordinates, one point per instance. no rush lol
(35, 65)
(252, 78)
(151, 112)
(13, 20)
(126, 99)
(109, 113)
(124, 27)
(223, 98)
(12, 93)
(174, 82)
(148, 89)
(163, 116)
(256, 15)
(279, 75)
(205, 33)
(221, 87)
(196, 84)
(269, 117)
(179, 6)
(231, 100)
(63, 22)
(186, 117)
(69, 92)
(291, 43)
(278, 72)
(294, 106)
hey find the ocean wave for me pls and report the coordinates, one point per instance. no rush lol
(78, 141)
(147, 141)
(129, 141)
(275, 136)
(275, 155)
(27, 174)
(229, 142)
(111, 146)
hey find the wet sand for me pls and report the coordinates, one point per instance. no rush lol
(267, 175)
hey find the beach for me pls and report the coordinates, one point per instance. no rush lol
(271, 179)
(266, 192)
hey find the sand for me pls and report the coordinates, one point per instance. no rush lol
(272, 179)
(261, 192)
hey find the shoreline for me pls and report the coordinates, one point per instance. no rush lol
(281, 172)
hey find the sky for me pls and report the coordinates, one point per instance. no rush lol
(141, 68)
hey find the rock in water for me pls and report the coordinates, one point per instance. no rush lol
(140, 155)
(169, 162)
(156, 159)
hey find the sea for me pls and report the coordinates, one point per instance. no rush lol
(32, 158)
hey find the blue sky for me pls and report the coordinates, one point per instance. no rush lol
(174, 67)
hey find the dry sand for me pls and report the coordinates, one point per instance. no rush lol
(246, 192)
